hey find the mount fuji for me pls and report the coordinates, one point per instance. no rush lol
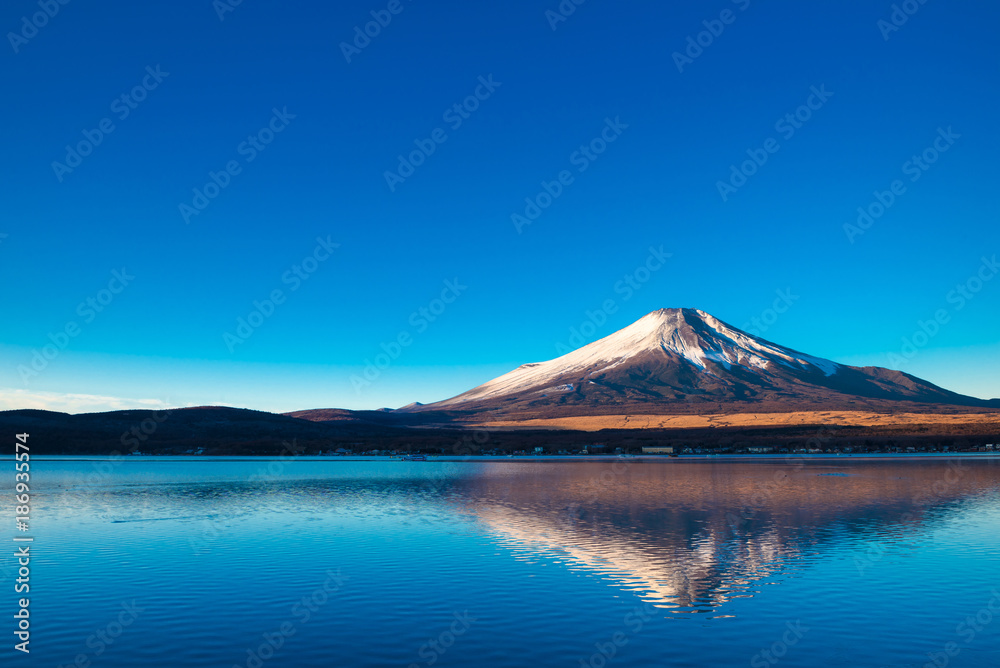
(687, 361)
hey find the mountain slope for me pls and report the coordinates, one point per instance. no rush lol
(686, 359)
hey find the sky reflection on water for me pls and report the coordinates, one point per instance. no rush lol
(687, 563)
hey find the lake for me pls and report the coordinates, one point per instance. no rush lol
(675, 562)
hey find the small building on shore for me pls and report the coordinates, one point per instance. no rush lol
(657, 449)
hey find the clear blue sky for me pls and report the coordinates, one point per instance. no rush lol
(160, 339)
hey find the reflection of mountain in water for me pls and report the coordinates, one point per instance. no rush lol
(693, 535)
(683, 534)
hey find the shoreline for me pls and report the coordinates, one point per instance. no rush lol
(886, 456)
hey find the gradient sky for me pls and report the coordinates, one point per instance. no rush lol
(160, 341)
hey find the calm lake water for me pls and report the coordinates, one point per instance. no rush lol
(235, 562)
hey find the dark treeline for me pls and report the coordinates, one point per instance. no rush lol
(227, 431)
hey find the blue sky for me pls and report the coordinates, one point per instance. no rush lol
(301, 139)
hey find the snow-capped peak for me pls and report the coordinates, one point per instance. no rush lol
(698, 336)
(695, 336)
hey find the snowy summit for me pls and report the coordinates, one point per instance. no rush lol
(686, 356)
